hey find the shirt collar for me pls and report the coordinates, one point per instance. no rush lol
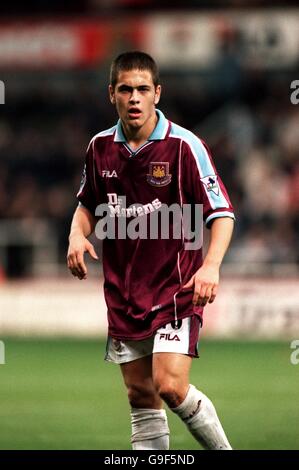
(159, 133)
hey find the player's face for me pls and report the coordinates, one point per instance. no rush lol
(135, 97)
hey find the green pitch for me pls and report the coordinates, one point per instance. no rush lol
(60, 394)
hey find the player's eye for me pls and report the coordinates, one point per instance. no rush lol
(143, 88)
(125, 89)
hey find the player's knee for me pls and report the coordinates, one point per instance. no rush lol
(141, 397)
(171, 392)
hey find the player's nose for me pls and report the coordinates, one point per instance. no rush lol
(134, 98)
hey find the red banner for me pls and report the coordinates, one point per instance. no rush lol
(55, 44)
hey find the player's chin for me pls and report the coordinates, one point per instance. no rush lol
(135, 122)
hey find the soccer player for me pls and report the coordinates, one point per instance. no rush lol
(155, 288)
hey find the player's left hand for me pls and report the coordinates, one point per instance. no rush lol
(205, 282)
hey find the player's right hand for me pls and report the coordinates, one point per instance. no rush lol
(75, 257)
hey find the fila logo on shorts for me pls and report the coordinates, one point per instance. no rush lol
(168, 337)
(176, 325)
(180, 336)
(173, 337)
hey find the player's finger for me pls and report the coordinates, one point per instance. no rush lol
(75, 272)
(92, 252)
(213, 295)
(206, 296)
(70, 261)
(79, 274)
(201, 293)
(80, 265)
(196, 294)
(72, 265)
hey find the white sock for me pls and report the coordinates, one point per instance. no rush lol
(149, 429)
(198, 413)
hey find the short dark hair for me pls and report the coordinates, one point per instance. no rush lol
(133, 60)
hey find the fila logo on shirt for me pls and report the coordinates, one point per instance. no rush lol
(109, 174)
(211, 183)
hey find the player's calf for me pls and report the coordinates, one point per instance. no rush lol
(149, 429)
(199, 414)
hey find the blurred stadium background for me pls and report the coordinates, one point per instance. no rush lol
(226, 70)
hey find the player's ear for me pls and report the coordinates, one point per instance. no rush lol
(157, 94)
(111, 94)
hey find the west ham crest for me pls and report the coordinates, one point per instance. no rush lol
(158, 174)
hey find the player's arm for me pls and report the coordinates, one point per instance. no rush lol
(83, 225)
(206, 279)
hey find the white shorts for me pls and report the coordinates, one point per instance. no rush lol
(181, 338)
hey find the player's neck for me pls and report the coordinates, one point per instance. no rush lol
(137, 136)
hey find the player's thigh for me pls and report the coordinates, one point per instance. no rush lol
(171, 370)
(139, 370)
(138, 378)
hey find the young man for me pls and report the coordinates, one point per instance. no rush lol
(155, 289)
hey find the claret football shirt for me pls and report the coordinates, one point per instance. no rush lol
(144, 275)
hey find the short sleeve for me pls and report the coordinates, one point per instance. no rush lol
(202, 182)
